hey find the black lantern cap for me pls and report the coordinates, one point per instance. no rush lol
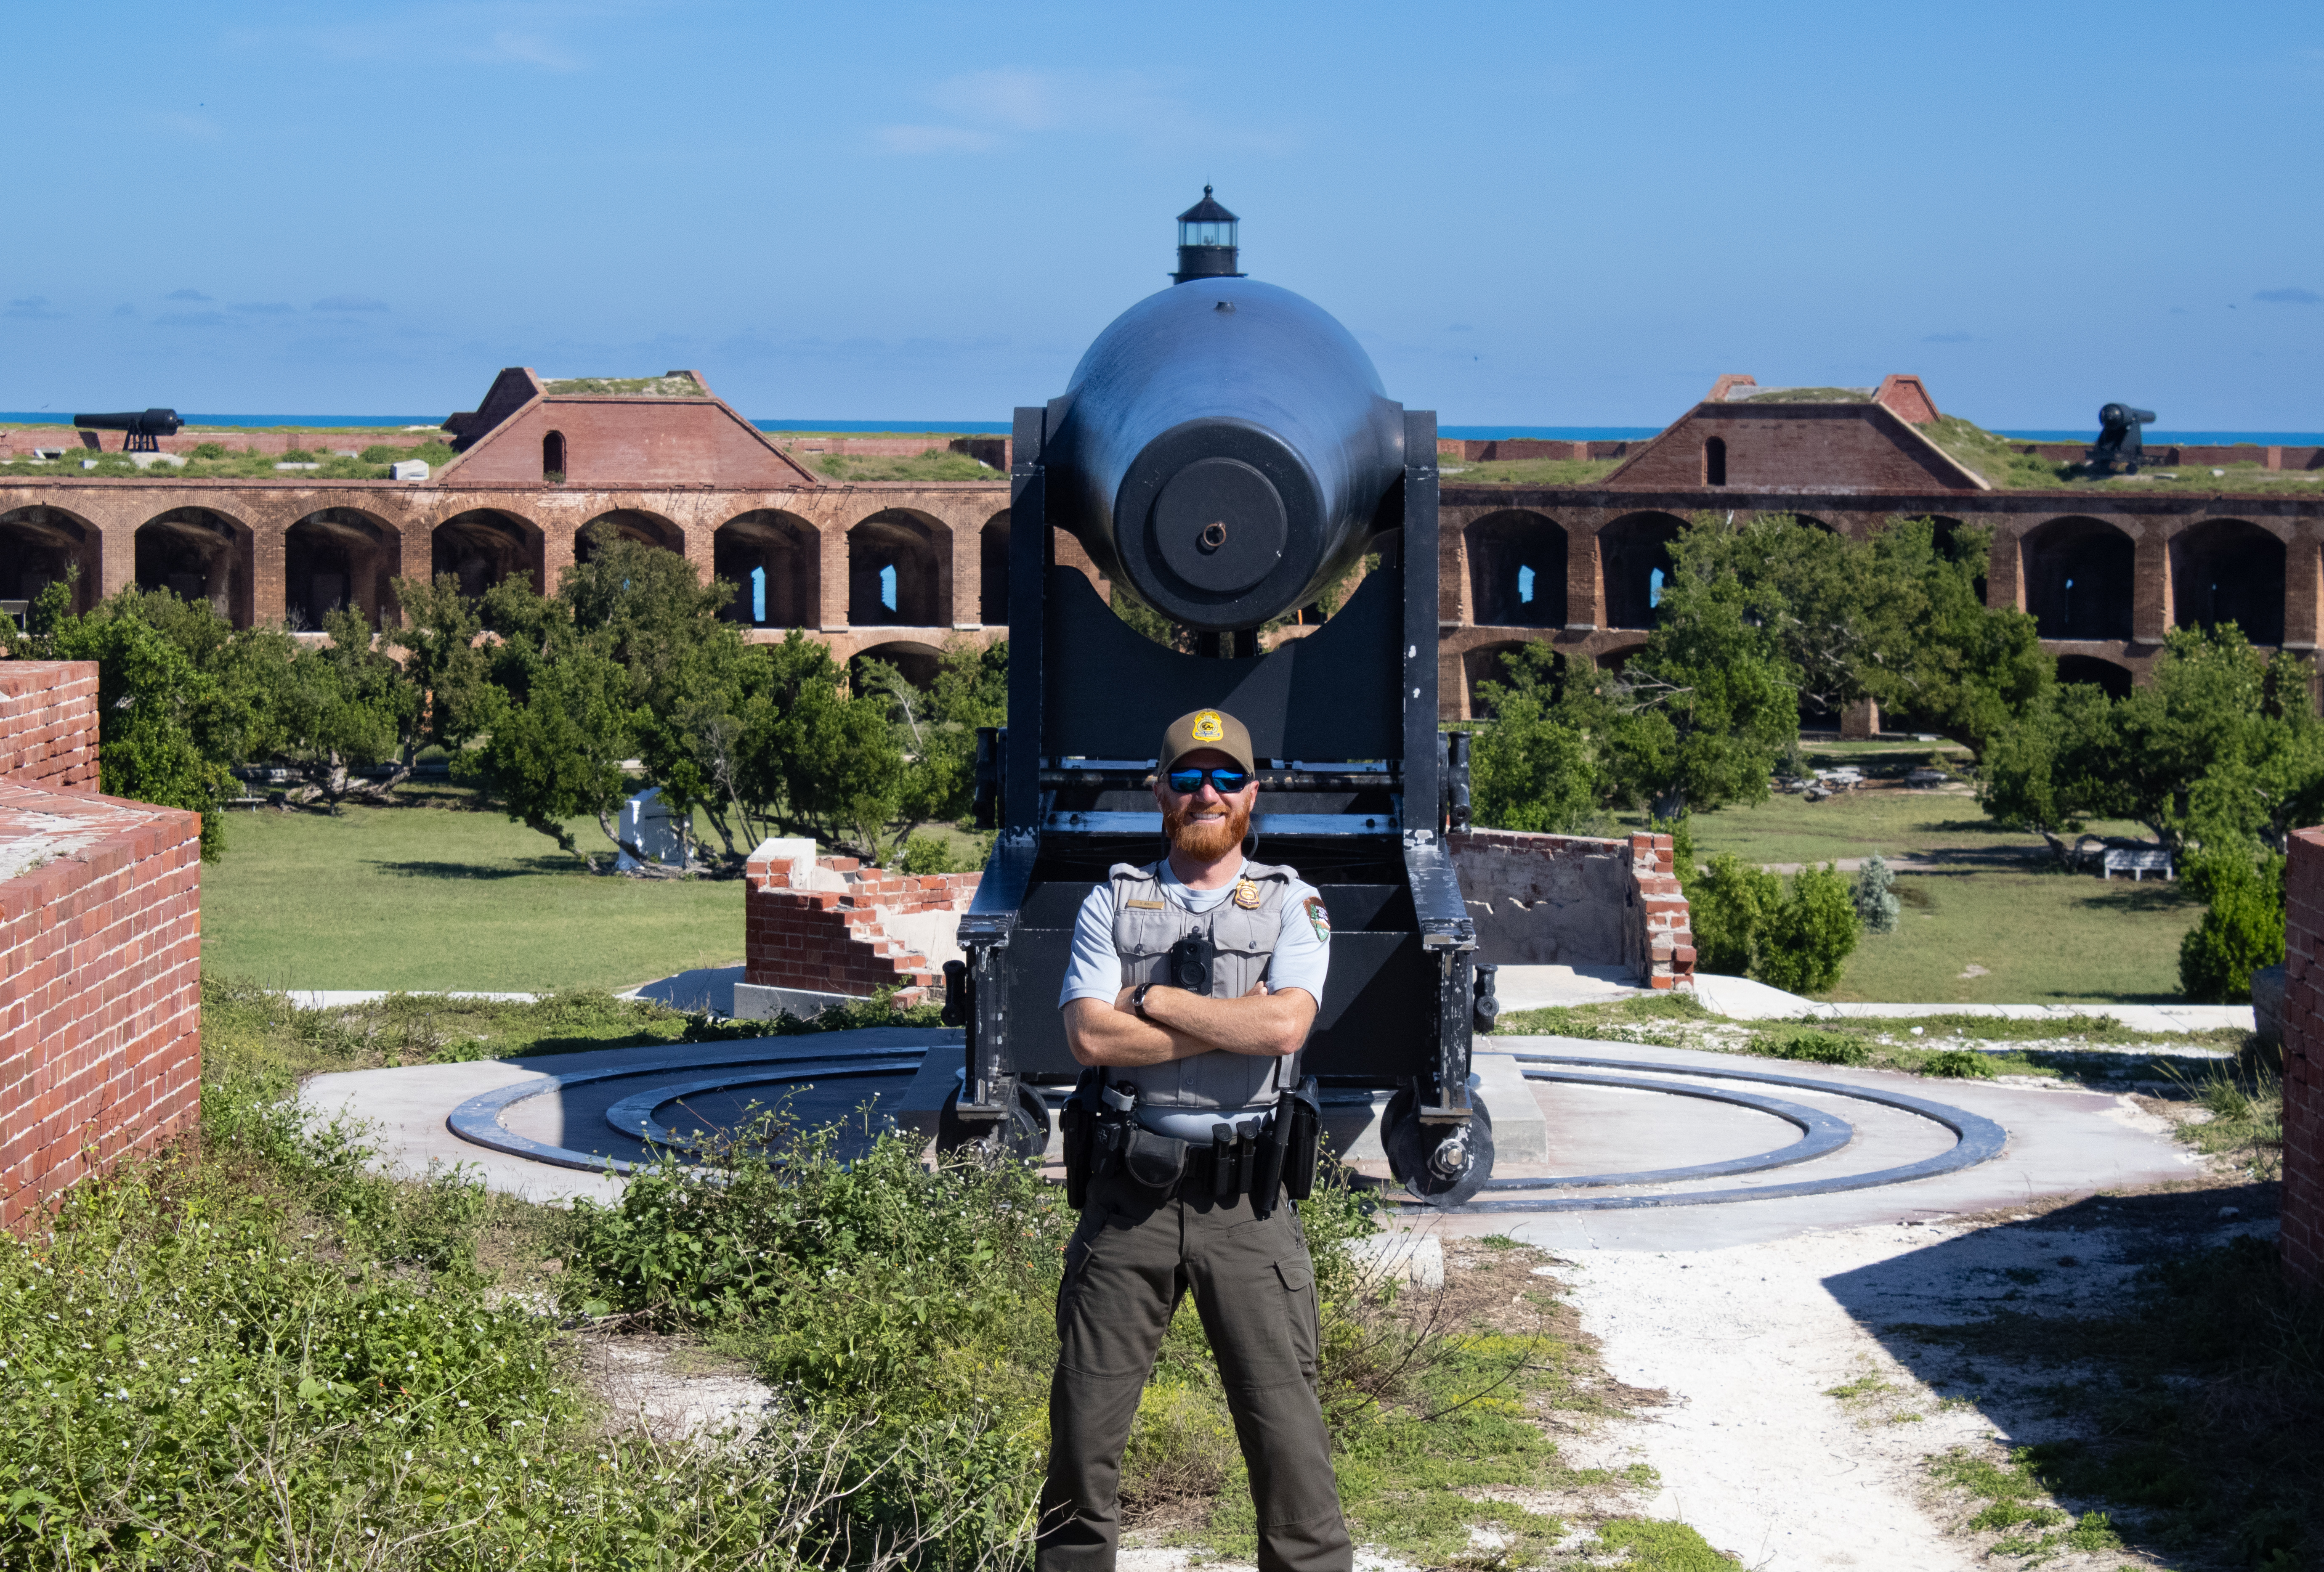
(1206, 241)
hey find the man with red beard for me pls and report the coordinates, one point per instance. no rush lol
(1193, 1075)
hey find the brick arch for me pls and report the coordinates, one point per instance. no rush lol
(774, 559)
(203, 550)
(915, 658)
(1517, 570)
(917, 547)
(1485, 663)
(2079, 577)
(481, 546)
(1631, 549)
(637, 524)
(2228, 570)
(993, 570)
(2096, 671)
(42, 543)
(339, 557)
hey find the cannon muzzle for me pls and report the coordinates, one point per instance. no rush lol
(1225, 452)
(142, 426)
(2120, 416)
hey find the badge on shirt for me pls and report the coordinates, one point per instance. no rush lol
(1318, 918)
(1246, 896)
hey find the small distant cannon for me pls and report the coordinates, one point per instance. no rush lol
(2119, 440)
(145, 427)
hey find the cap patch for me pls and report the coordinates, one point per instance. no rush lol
(1209, 728)
(1318, 918)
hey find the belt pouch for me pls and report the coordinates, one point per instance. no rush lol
(1154, 1162)
(1076, 1123)
(1304, 1108)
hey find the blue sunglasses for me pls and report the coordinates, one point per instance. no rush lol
(1225, 777)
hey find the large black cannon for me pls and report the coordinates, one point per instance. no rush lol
(1225, 452)
(142, 428)
(2120, 439)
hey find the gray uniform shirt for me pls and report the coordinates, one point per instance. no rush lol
(1296, 954)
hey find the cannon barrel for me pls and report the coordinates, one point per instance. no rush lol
(2119, 416)
(136, 422)
(1224, 452)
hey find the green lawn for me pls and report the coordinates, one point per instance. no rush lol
(430, 896)
(1992, 897)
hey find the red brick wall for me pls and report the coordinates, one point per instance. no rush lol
(611, 440)
(100, 986)
(48, 722)
(1793, 448)
(831, 941)
(2303, 1060)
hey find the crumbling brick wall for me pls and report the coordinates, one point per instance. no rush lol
(100, 951)
(2303, 1060)
(828, 924)
(1572, 900)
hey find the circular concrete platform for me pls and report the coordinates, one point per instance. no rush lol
(1628, 1132)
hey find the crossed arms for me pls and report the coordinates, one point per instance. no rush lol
(1178, 1025)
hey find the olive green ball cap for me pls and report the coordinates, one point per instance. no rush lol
(1199, 729)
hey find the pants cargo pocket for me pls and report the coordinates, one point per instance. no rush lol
(1297, 1276)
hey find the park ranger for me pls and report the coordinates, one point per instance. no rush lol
(1194, 983)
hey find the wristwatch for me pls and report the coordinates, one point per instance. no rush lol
(1138, 1000)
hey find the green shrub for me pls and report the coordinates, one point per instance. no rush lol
(1802, 942)
(1877, 905)
(1815, 1048)
(1957, 1064)
(296, 455)
(1726, 908)
(2241, 933)
(929, 854)
(384, 453)
(207, 450)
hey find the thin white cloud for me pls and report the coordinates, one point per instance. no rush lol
(983, 110)
(33, 308)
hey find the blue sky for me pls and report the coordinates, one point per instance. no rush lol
(1529, 214)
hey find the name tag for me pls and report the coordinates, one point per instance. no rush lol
(1149, 906)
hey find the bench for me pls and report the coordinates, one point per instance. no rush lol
(2137, 864)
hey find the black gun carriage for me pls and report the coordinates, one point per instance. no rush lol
(2121, 439)
(142, 429)
(1225, 452)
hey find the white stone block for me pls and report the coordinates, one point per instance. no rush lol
(409, 469)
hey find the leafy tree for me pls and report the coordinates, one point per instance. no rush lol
(937, 728)
(556, 753)
(1898, 619)
(333, 708)
(1534, 766)
(824, 762)
(1702, 715)
(2223, 747)
(168, 729)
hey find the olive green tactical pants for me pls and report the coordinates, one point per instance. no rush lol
(1129, 1262)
